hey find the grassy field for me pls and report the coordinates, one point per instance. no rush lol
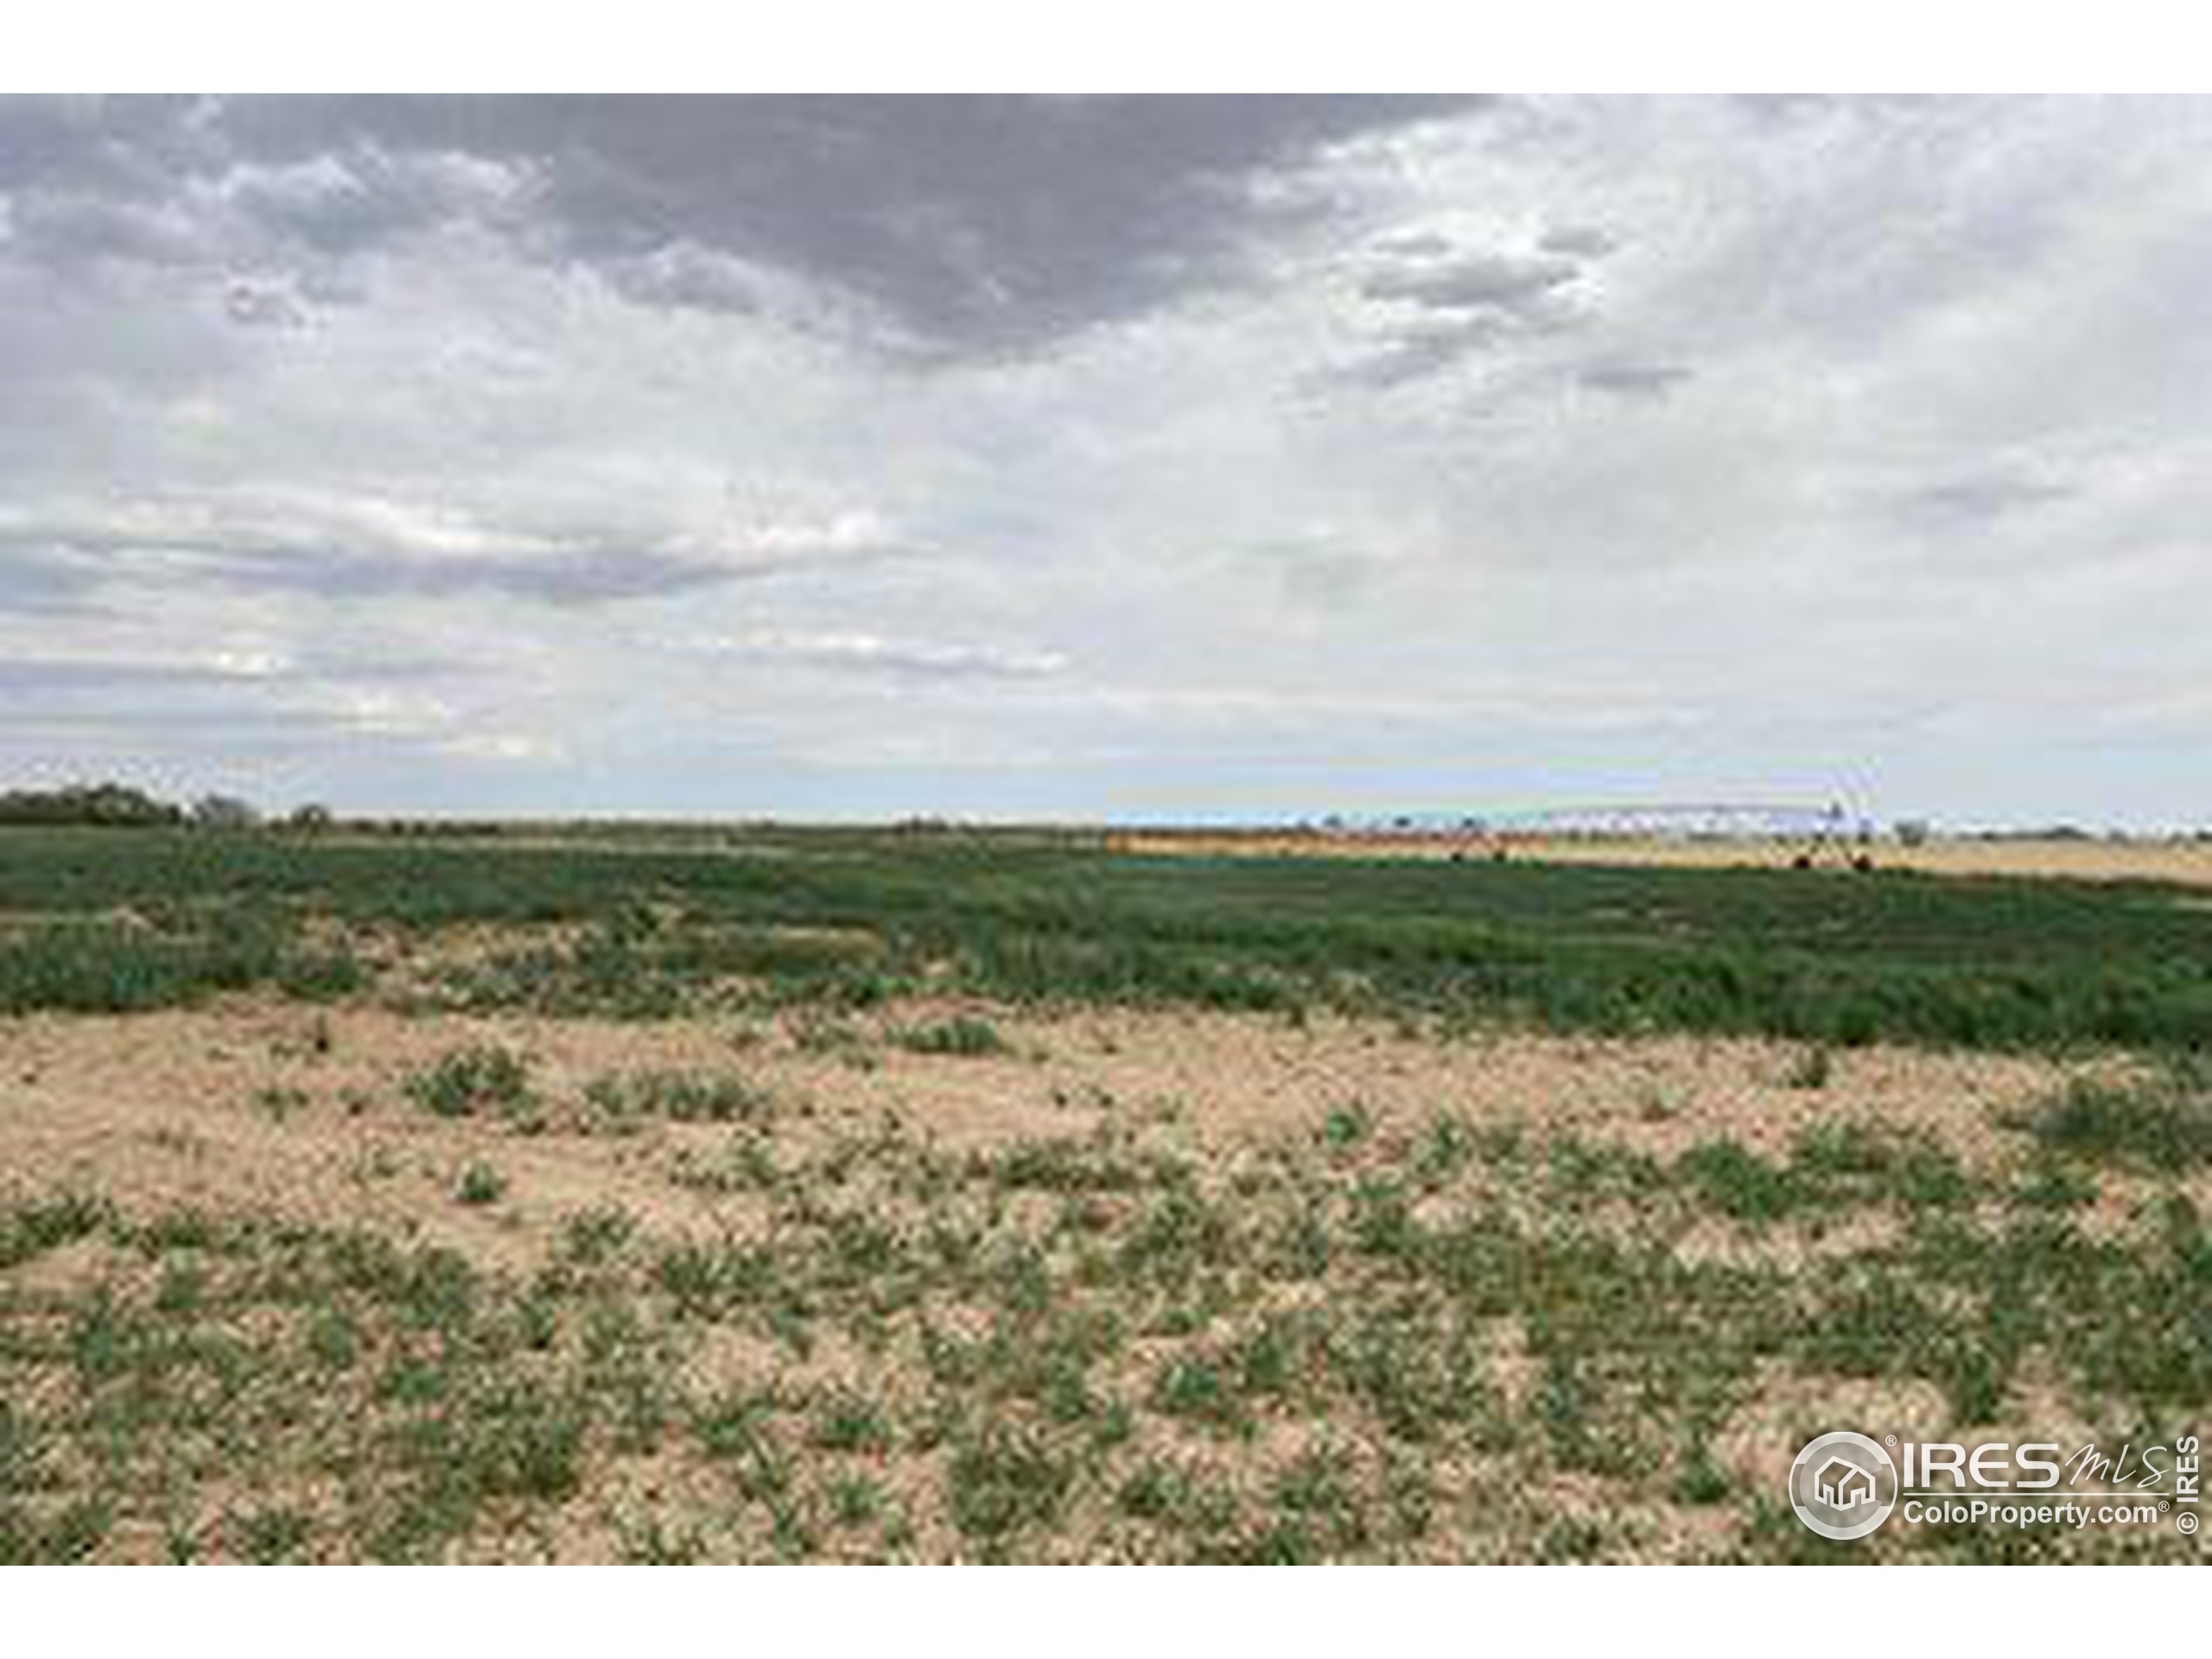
(121, 920)
(784, 1195)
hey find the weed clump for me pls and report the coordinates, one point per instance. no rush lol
(1739, 1182)
(481, 1185)
(2162, 1122)
(963, 1036)
(628, 1099)
(481, 1077)
(1003, 1482)
(1812, 1068)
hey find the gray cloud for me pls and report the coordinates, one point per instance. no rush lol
(172, 722)
(32, 676)
(168, 181)
(1516, 284)
(242, 706)
(35, 676)
(363, 547)
(1434, 302)
(684, 274)
(1578, 241)
(973, 225)
(573, 574)
(35, 581)
(1981, 498)
(262, 305)
(1652, 380)
(1410, 353)
(1300, 455)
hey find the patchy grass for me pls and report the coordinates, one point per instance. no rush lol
(2162, 1122)
(278, 1102)
(1445, 1344)
(627, 1100)
(964, 1036)
(479, 1079)
(1351, 1339)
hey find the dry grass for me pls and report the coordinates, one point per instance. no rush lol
(176, 1107)
(2189, 862)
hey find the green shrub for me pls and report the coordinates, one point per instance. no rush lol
(964, 1036)
(480, 1184)
(677, 1096)
(481, 1077)
(1738, 1182)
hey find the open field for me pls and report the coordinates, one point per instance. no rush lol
(651, 923)
(804, 1194)
(2187, 861)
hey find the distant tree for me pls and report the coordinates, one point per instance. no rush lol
(1912, 832)
(224, 812)
(96, 804)
(311, 818)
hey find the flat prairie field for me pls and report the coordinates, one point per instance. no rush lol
(667, 1194)
(2083, 858)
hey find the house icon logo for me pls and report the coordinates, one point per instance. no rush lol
(1843, 1486)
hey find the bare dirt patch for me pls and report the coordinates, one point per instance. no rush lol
(306, 1113)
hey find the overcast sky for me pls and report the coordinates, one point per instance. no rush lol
(1082, 458)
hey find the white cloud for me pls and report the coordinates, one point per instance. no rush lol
(1332, 459)
(926, 658)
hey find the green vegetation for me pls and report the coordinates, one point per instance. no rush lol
(117, 805)
(1350, 1338)
(1462, 1344)
(413, 1396)
(2161, 1122)
(623, 1101)
(964, 1035)
(122, 966)
(467, 1082)
(481, 1185)
(649, 923)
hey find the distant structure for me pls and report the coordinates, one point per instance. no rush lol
(1827, 822)
(1817, 833)
(1690, 821)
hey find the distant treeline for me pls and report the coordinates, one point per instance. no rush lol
(110, 804)
(123, 806)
